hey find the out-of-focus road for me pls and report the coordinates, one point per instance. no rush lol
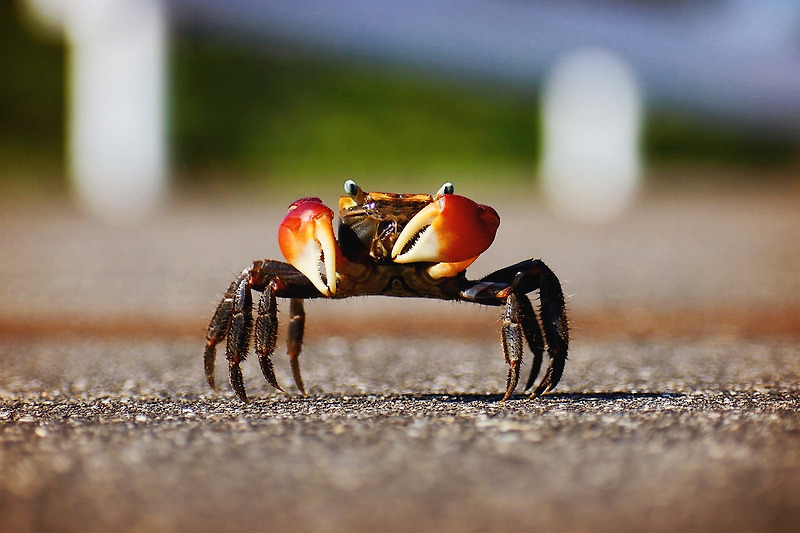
(104, 435)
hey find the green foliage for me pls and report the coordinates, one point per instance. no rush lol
(672, 137)
(31, 99)
(280, 115)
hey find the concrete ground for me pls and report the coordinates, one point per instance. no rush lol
(679, 407)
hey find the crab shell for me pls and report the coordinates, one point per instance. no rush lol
(446, 230)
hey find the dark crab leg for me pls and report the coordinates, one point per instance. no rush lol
(509, 284)
(520, 320)
(512, 343)
(239, 335)
(218, 329)
(233, 320)
(533, 335)
(266, 333)
(556, 330)
(280, 279)
(294, 341)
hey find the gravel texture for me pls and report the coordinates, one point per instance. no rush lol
(110, 435)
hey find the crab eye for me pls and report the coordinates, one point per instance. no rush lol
(351, 188)
(447, 188)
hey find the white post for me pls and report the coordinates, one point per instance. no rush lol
(591, 121)
(116, 138)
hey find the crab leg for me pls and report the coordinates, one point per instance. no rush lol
(511, 283)
(218, 329)
(533, 335)
(294, 341)
(239, 335)
(512, 343)
(266, 333)
(233, 321)
(556, 329)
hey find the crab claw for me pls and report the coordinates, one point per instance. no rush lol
(307, 242)
(451, 229)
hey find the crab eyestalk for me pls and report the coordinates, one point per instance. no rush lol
(307, 242)
(451, 229)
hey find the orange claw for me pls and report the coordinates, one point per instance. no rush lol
(451, 231)
(307, 242)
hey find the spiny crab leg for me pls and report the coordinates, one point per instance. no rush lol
(307, 242)
(451, 231)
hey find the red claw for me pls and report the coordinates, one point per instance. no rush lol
(307, 242)
(451, 231)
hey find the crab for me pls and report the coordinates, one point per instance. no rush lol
(404, 245)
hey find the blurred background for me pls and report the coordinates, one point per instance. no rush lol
(259, 92)
(647, 150)
(643, 148)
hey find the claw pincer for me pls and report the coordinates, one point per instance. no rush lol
(307, 242)
(452, 231)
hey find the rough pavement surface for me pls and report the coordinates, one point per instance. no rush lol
(663, 436)
(106, 422)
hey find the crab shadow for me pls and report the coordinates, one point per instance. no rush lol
(556, 397)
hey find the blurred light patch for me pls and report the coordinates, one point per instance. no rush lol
(592, 114)
(116, 126)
